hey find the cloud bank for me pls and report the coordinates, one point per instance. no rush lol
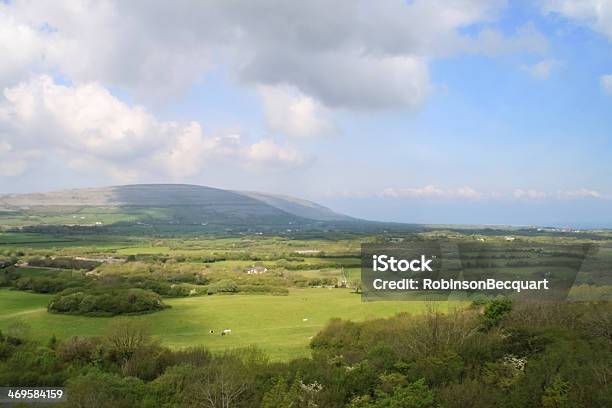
(469, 193)
(93, 131)
(305, 59)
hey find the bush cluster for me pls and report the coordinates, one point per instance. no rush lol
(536, 355)
(109, 302)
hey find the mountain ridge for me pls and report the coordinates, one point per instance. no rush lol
(205, 204)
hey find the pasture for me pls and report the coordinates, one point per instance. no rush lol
(280, 325)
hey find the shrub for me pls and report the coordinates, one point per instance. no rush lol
(101, 389)
(64, 263)
(125, 337)
(77, 349)
(223, 286)
(108, 302)
(495, 311)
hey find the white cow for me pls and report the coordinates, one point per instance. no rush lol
(226, 332)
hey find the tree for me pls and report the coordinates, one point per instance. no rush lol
(280, 395)
(98, 389)
(555, 395)
(226, 379)
(495, 311)
(413, 395)
(125, 337)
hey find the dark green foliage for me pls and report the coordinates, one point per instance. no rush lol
(440, 369)
(223, 286)
(43, 281)
(100, 389)
(64, 263)
(495, 310)
(469, 393)
(280, 395)
(538, 355)
(556, 393)
(414, 395)
(108, 302)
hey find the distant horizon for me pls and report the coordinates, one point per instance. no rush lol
(560, 225)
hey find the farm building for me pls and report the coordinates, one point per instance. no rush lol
(256, 270)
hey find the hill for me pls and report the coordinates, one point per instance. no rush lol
(156, 204)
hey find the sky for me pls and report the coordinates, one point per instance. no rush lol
(457, 111)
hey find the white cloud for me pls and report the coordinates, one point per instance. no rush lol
(11, 164)
(581, 193)
(294, 114)
(350, 79)
(84, 118)
(103, 41)
(96, 132)
(596, 14)
(541, 70)
(427, 191)
(431, 191)
(529, 194)
(469, 193)
(21, 46)
(309, 58)
(606, 83)
(189, 151)
(558, 195)
(493, 43)
(267, 153)
(87, 165)
(350, 54)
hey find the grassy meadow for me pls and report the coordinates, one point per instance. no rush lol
(274, 323)
(281, 325)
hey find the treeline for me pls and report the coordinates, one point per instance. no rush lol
(297, 264)
(55, 281)
(549, 355)
(168, 278)
(44, 281)
(63, 263)
(76, 293)
(138, 288)
(201, 278)
(289, 261)
(303, 282)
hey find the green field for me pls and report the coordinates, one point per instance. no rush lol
(273, 323)
(280, 325)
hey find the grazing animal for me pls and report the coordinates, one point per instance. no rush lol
(211, 332)
(226, 332)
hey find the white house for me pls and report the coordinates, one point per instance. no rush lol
(257, 270)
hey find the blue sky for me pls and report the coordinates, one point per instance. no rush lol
(460, 111)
